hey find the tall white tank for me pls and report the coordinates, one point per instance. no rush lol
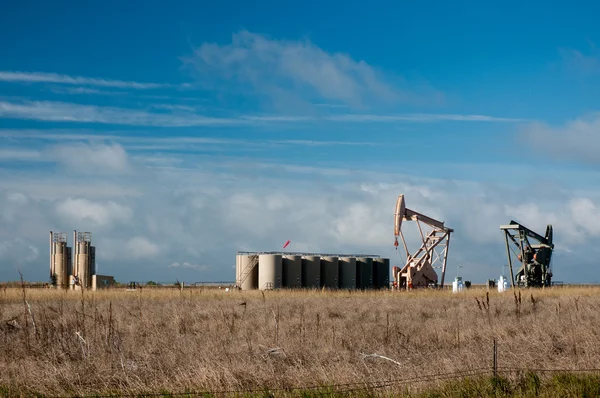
(83, 264)
(269, 271)
(251, 281)
(330, 272)
(292, 271)
(347, 272)
(59, 257)
(311, 272)
(60, 264)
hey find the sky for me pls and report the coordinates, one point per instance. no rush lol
(178, 133)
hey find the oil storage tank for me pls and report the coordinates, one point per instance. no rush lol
(59, 259)
(311, 272)
(269, 271)
(347, 272)
(330, 272)
(291, 271)
(364, 270)
(248, 277)
(381, 273)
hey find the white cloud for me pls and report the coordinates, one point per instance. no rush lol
(198, 218)
(140, 247)
(17, 252)
(19, 154)
(76, 113)
(97, 214)
(92, 158)
(289, 70)
(84, 91)
(420, 117)
(577, 140)
(187, 265)
(41, 77)
(53, 111)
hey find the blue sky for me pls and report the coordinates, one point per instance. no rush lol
(180, 133)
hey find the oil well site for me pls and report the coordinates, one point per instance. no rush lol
(425, 266)
(299, 321)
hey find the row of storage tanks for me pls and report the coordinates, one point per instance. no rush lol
(272, 271)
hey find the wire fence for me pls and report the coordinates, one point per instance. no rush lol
(363, 386)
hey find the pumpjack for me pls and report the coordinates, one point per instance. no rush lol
(418, 271)
(535, 258)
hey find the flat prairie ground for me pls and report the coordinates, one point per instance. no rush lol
(66, 343)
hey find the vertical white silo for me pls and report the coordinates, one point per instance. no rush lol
(83, 259)
(59, 256)
(237, 269)
(291, 271)
(347, 272)
(311, 272)
(330, 272)
(269, 271)
(248, 279)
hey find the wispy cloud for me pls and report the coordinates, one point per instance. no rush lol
(294, 70)
(11, 154)
(41, 77)
(187, 265)
(85, 91)
(174, 107)
(577, 62)
(77, 113)
(420, 117)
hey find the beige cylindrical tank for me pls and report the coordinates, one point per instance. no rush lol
(237, 268)
(291, 271)
(364, 269)
(269, 271)
(60, 256)
(311, 272)
(330, 272)
(83, 265)
(347, 272)
(251, 281)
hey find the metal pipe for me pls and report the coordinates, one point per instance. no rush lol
(51, 259)
(445, 258)
(76, 249)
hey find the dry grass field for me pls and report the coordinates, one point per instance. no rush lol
(66, 343)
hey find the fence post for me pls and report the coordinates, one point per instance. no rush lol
(495, 364)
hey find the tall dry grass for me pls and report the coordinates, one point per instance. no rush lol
(60, 343)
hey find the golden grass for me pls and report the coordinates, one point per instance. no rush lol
(60, 343)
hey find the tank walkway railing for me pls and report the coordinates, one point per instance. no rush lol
(305, 254)
(247, 271)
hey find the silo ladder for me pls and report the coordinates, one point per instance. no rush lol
(253, 263)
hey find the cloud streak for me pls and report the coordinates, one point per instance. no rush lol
(51, 111)
(75, 113)
(41, 77)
